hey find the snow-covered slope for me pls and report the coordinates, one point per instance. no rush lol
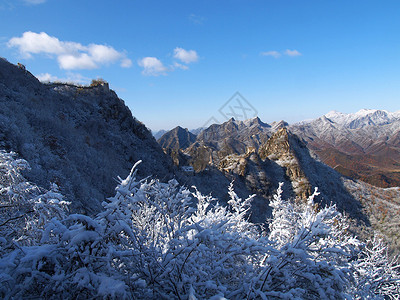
(368, 138)
(81, 138)
(363, 118)
(372, 122)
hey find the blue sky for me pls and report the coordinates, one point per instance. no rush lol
(178, 62)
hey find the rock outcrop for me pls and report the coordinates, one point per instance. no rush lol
(280, 149)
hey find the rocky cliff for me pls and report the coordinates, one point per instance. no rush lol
(257, 157)
(280, 148)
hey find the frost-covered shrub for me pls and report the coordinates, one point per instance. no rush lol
(375, 272)
(181, 245)
(25, 210)
(312, 251)
(24, 207)
(159, 240)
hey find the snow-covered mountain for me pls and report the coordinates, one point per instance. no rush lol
(83, 137)
(175, 242)
(363, 145)
(80, 137)
(363, 118)
(369, 122)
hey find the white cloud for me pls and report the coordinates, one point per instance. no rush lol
(180, 66)
(277, 54)
(46, 77)
(186, 56)
(35, 43)
(73, 62)
(103, 53)
(292, 52)
(70, 55)
(152, 66)
(273, 53)
(74, 78)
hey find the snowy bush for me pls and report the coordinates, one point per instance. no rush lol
(24, 208)
(375, 272)
(182, 246)
(312, 251)
(159, 240)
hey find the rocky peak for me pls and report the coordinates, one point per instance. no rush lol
(256, 122)
(281, 148)
(278, 125)
(278, 143)
(177, 138)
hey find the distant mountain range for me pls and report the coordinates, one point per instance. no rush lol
(259, 153)
(364, 145)
(159, 133)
